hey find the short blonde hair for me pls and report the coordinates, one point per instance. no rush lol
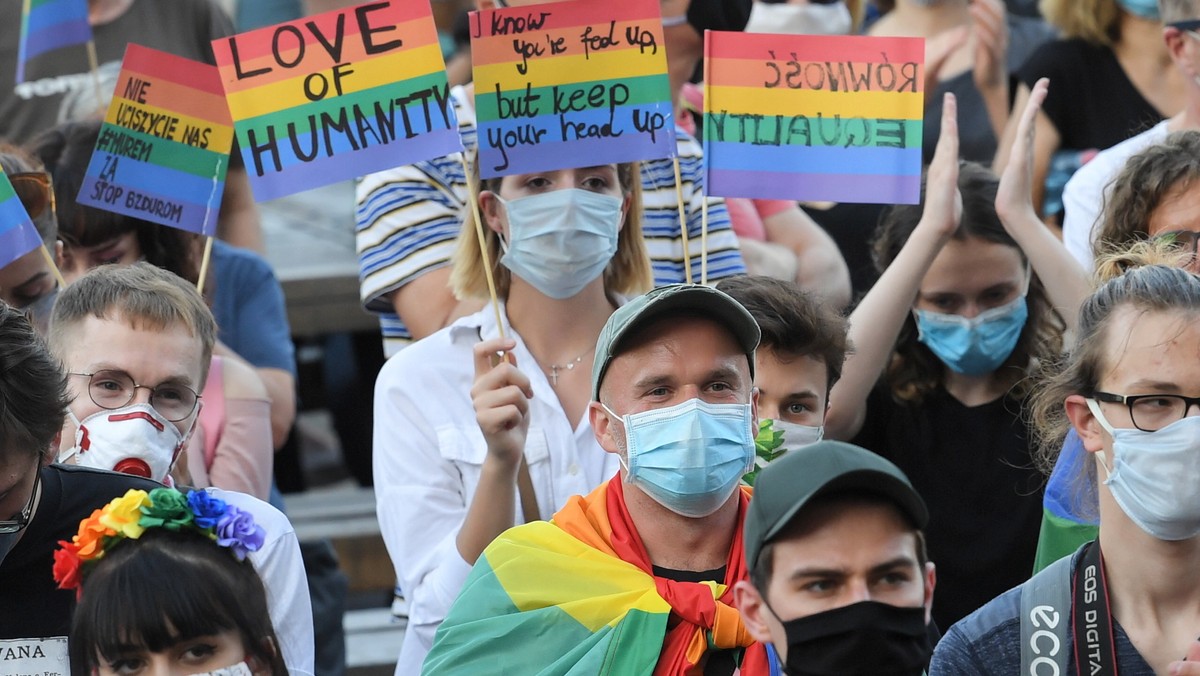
(141, 294)
(627, 273)
(1096, 21)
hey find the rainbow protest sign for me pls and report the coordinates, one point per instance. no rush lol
(570, 84)
(814, 117)
(338, 95)
(49, 25)
(17, 234)
(163, 150)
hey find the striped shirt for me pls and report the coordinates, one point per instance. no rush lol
(408, 219)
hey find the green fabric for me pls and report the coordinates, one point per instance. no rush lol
(1060, 537)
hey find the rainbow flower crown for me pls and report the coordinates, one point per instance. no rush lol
(128, 516)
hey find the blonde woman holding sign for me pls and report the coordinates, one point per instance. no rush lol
(468, 444)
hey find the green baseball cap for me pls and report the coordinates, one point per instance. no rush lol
(667, 300)
(786, 485)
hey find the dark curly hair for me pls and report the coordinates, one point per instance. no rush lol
(914, 371)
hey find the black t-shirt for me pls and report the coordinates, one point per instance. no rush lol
(852, 227)
(1091, 100)
(31, 605)
(973, 468)
(719, 662)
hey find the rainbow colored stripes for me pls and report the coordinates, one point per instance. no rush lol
(317, 100)
(163, 150)
(813, 117)
(570, 84)
(47, 25)
(17, 234)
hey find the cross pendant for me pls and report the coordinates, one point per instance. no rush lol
(553, 376)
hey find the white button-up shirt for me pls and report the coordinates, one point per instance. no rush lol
(428, 454)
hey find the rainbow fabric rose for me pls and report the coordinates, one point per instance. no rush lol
(129, 516)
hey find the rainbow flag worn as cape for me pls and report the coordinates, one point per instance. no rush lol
(576, 595)
(47, 25)
(1066, 506)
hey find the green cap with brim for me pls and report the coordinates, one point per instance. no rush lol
(696, 299)
(789, 483)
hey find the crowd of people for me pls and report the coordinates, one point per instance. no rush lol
(953, 437)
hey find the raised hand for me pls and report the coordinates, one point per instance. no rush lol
(938, 49)
(989, 32)
(501, 395)
(943, 202)
(1014, 199)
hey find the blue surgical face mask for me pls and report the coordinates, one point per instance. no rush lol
(688, 457)
(1147, 9)
(977, 345)
(560, 241)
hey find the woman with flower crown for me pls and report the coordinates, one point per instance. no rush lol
(164, 587)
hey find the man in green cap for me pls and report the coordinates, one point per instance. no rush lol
(638, 576)
(839, 580)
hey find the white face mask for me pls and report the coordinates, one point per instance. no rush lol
(135, 440)
(239, 669)
(796, 435)
(1155, 477)
(811, 19)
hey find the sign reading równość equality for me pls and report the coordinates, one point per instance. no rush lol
(823, 118)
(570, 84)
(163, 150)
(338, 95)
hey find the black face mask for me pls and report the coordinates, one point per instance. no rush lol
(862, 638)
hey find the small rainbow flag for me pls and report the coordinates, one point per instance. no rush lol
(338, 95)
(570, 84)
(47, 25)
(17, 234)
(836, 118)
(163, 150)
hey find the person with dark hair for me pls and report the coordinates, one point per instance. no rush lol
(40, 503)
(1127, 601)
(28, 283)
(799, 358)
(956, 323)
(839, 579)
(164, 587)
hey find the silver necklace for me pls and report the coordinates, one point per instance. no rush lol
(569, 366)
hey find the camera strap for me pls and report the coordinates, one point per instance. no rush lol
(1095, 649)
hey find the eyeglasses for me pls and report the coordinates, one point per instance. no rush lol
(34, 190)
(1183, 240)
(115, 389)
(1151, 412)
(10, 526)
